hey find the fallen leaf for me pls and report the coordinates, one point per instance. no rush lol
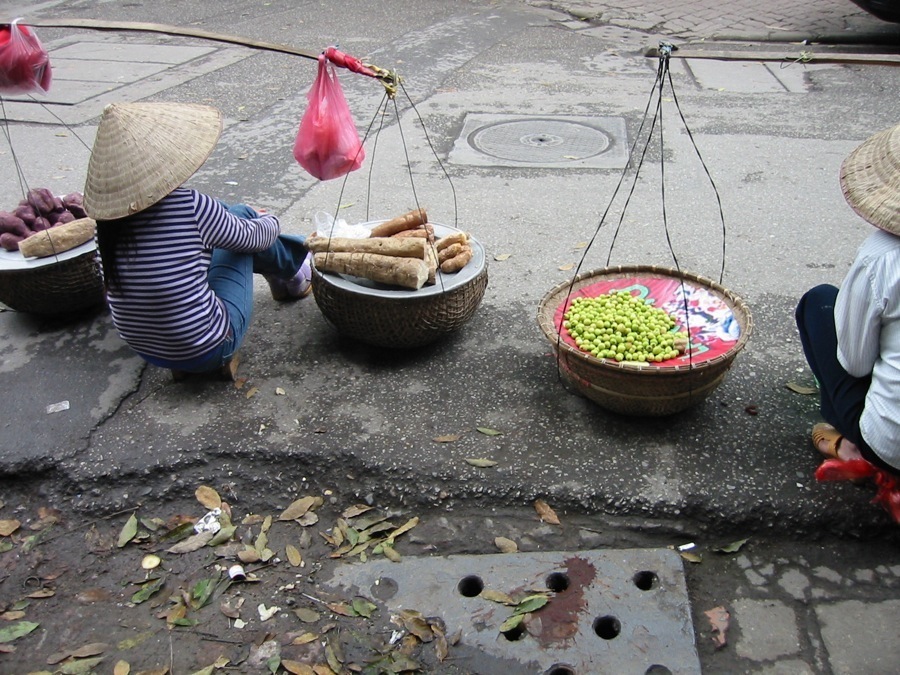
(128, 531)
(84, 667)
(251, 392)
(193, 543)
(545, 513)
(355, 510)
(446, 438)
(150, 561)
(719, 620)
(695, 558)
(481, 462)
(148, 590)
(231, 608)
(306, 615)
(7, 527)
(802, 389)
(497, 596)
(416, 624)
(304, 639)
(581, 244)
(733, 547)
(488, 432)
(92, 649)
(293, 555)
(363, 607)
(532, 603)
(506, 545)
(567, 267)
(12, 615)
(297, 668)
(298, 508)
(391, 553)
(93, 595)
(340, 608)
(16, 630)
(511, 622)
(122, 668)
(502, 256)
(41, 593)
(406, 527)
(208, 497)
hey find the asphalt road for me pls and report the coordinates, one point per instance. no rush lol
(319, 411)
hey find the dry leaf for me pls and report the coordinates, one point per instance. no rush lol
(122, 668)
(298, 508)
(251, 392)
(497, 596)
(129, 530)
(7, 527)
(567, 267)
(391, 553)
(93, 649)
(208, 497)
(232, 608)
(545, 513)
(446, 438)
(12, 615)
(481, 462)
(297, 668)
(293, 555)
(506, 545)
(801, 389)
(42, 593)
(502, 256)
(193, 543)
(93, 595)
(719, 620)
(355, 510)
(304, 639)
(306, 615)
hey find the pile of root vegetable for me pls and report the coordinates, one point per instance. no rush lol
(401, 252)
(44, 224)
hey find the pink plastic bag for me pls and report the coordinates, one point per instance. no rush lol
(24, 63)
(328, 144)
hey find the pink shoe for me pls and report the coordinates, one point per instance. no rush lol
(298, 286)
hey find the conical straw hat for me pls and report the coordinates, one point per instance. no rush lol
(143, 151)
(870, 179)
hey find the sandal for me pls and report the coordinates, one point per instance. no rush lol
(825, 432)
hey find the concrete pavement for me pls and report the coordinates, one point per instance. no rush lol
(773, 137)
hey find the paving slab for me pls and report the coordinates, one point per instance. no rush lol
(615, 611)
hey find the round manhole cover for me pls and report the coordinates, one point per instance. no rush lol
(540, 140)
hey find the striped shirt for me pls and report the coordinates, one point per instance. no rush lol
(163, 306)
(867, 319)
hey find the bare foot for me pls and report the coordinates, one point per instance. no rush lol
(846, 450)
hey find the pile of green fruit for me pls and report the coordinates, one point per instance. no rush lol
(622, 327)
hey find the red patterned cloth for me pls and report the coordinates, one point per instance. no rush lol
(887, 485)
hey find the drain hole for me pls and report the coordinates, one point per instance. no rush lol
(470, 586)
(646, 580)
(558, 582)
(607, 627)
(657, 669)
(515, 633)
(560, 669)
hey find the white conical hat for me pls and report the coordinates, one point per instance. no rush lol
(870, 179)
(143, 151)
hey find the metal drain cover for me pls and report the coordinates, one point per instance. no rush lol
(612, 611)
(544, 141)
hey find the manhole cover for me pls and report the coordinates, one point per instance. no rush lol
(551, 142)
(613, 611)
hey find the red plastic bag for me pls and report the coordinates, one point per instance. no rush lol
(328, 144)
(24, 63)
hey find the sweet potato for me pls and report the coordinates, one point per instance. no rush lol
(450, 239)
(451, 251)
(407, 221)
(10, 241)
(11, 223)
(65, 217)
(74, 202)
(459, 261)
(43, 200)
(26, 212)
(40, 224)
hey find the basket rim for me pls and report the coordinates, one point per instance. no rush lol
(548, 327)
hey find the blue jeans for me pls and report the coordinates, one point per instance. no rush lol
(842, 396)
(231, 279)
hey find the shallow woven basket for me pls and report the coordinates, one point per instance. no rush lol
(640, 390)
(63, 288)
(401, 322)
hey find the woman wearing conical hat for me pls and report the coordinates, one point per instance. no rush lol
(851, 335)
(177, 264)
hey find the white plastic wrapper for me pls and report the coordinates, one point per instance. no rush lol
(327, 226)
(209, 522)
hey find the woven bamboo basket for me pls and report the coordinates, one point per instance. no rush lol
(66, 286)
(402, 319)
(641, 390)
